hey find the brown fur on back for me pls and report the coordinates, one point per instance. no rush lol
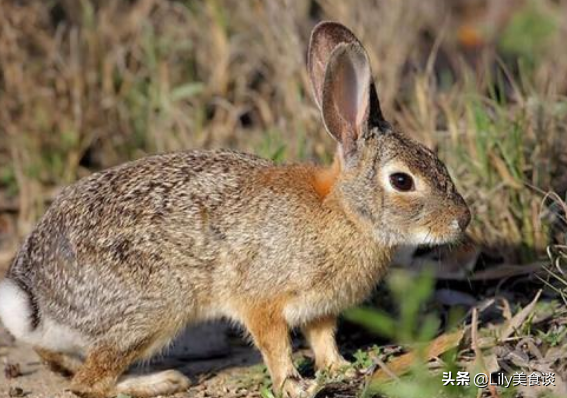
(196, 231)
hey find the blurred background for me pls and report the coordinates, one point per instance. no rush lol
(89, 84)
(85, 85)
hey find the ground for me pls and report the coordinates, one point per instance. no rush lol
(235, 373)
(507, 329)
(219, 362)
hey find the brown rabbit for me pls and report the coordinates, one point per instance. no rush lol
(126, 258)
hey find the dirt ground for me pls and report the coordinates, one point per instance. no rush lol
(232, 372)
(232, 375)
(236, 373)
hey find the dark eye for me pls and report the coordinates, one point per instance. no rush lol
(401, 182)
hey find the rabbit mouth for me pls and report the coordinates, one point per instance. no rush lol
(421, 237)
(433, 238)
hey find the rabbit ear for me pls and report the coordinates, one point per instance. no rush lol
(326, 36)
(349, 101)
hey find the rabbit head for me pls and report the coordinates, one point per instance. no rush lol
(390, 185)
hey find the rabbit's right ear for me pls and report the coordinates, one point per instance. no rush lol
(345, 99)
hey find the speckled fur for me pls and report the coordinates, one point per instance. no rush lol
(126, 258)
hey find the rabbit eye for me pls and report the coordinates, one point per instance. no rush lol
(401, 182)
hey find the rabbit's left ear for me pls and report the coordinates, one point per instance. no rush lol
(326, 36)
(342, 84)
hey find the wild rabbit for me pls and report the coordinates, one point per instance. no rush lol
(126, 258)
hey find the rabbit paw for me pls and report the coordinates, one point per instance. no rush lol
(344, 368)
(340, 368)
(300, 388)
(163, 383)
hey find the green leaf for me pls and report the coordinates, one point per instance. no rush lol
(374, 320)
(186, 91)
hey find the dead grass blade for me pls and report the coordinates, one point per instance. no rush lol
(403, 363)
(478, 354)
(517, 321)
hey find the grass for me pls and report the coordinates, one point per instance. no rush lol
(86, 85)
(404, 328)
(484, 348)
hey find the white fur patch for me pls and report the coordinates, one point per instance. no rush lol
(15, 313)
(455, 225)
(296, 313)
(58, 338)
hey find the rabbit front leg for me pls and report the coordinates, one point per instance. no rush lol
(270, 333)
(320, 335)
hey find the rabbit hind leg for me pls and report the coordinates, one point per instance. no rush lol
(101, 375)
(160, 383)
(103, 366)
(58, 362)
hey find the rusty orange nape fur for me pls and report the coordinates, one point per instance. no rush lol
(324, 178)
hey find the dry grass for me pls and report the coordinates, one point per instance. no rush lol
(89, 84)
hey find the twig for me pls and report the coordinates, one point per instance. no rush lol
(479, 356)
(386, 369)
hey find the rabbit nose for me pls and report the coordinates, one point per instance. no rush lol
(464, 219)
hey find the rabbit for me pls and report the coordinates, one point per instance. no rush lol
(126, 258)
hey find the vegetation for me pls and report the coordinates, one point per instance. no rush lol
(89, 84)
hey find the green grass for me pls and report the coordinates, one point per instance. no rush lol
(411, 325)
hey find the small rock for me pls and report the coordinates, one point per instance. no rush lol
(16, 392)
(12, 370)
